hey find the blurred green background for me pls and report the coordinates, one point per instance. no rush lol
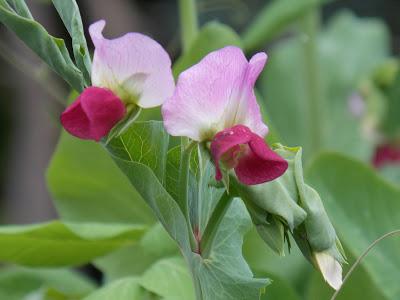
(354, 46)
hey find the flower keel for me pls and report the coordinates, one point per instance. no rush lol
(93, 114)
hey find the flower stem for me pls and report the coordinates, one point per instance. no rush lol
(189, 22)
(213, 224)
(311, 26)
(184, 187)
(358, 261)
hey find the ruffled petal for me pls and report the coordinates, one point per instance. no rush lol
(134, 66)
(215, 94)
(93, 114)
(253, 161)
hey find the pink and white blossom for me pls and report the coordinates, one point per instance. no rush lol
(132, 70)
(214, 101)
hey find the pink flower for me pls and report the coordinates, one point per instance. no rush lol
(386, 154)
(129, 71)
(214, 101)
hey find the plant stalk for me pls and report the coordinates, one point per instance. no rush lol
(184, 187)
(311, 23)
(213, 224)
(188, 22)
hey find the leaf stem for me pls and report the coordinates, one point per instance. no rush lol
(362, 256)
(189, 22)
(311, 26)
(184, 187)
(213, 224)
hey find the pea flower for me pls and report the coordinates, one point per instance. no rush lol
(386, 154)
(214, 101)
(127, 72)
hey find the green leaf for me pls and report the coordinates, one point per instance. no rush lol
(273, 19)
(19, 283)
(123, 289)
(211, 37)
(58, 244)
(141, 153)
(280, 289)
(170, 279)
(225, 275)
(364, 207)
(359, 45)
(21, 8)
(52, 50)
(134, 260)
(87, 186)
(71, 17)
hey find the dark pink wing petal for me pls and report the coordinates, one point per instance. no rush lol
(261, 164)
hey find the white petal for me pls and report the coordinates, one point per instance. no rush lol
(330, 268)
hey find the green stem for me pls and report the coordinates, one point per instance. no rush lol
(358, 261)
(213, 224)
(189, 22)
(184, 187)
(311, 24)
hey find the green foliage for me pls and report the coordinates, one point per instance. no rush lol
(70, 15)
(141, 153)
(358, 286)
(211, 37)
(349, 49)
(273, 19)
(134, 260)
(170, 279)
(127, 288)
(364, 207)
(58, 244)
(52, 50)
(21, 283)
(87, 186)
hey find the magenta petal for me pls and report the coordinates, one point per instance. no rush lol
(261, 164)
(256, 162)
(93, 114)
(386, 154)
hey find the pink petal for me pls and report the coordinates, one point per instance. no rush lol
(134, 66)
(93, 114)
(214, 94)
(257, 164)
